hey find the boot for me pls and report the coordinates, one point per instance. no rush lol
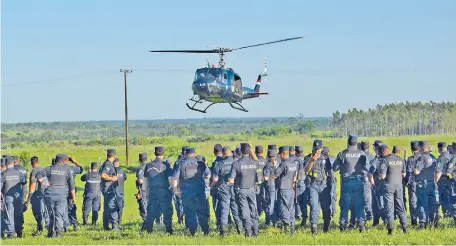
(84, 221)
(313, 229)
(390, 231)
(10, 236)
(19, 235)
(362, 229)
(75, 227)
(405, 230)
(292, 230)
(222, 230)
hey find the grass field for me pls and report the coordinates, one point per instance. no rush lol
(131, 224)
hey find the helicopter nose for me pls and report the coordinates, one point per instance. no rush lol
(201, 86)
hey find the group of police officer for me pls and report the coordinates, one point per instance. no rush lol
(243, 184)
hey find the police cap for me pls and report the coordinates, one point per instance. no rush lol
(422, 143)
(441, 145)
(189, 151)
(377, 143)
(317, 144)
(143, 156)
(272, 146)
(299, 148)
(414, 144)
(15, 157)
(94, 165)
(245, 148)
(396, 149)
(159, 150)
(184, 148)
(218, 148)
(325, 150)
(225, 149)
(364, 145)
(5, 156)
(382, 148)
(59, 158)
(352, 139)
(283, 149)
(111, 152)
(454, 145)
(258, 149)
(8, 160)
(271, 153)
(291, 148)
(34, 159)
(116, 160)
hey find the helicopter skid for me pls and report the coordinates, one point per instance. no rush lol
(199, 110)
(240, 107)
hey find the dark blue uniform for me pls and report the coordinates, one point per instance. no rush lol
(319, 192)
(142, 202)
(110, 213)
(59, 186)
(368, 188)
(393, 167)
(411, 185)
(243, 172)
(120, 189)
(451, 172)
(270, 193)
(426, 189)
(157, 173)
(286, 174)
(11, 187)
(214, 191)
(444, 183)
(378, 206)
(92, 196)
(191, 174)
(352, 164)
(37, 200)
(177, 200)
(302, 191)
(259, 188)
(225, 195)
(70, 216)
(19, 217)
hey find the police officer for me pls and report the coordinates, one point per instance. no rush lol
(410, 180)
(119, 188)
(108, 176)
(226, 197)
(92, 194)
(352, 164)
(378, 208)
(318, 170)
(19, 216)
(426, 173)
(70, 216)
(177, 200)
(270, 190)
(364, 146)
(243, 176)
(330, 158)
(157, 174)
(36, 197)
(3, 212)
(392, 170)
(142, 194)
(286, 175)
(218, 158)
(444, 181)
(58, 182)
(259, 187)
(451, 172)
(302, 194)
(12, 184)
(192, 176)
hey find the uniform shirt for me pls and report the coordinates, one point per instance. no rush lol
(261, 164)
(393, 166)
(320, 169)
(222, 170)
(60, 180)
(351, 162)
(74, 170)
(374, 169)
(268, 171)
(121, 177)
(286, 173)
(157, 173)
(427, 166)
(22, 170)
(244, 172)
(39, 191)
(443, 163)
(410, 167)
(140, 173)
(12, 181)
(107, 168)
(191, 174)
(370, 157)
(92, 187)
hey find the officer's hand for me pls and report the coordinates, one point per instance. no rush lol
(138, 196)
(70, 158)
(26, 203)
(73, 200)
(114, 178)
(178, 194)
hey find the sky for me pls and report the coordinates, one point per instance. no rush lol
(61, 60)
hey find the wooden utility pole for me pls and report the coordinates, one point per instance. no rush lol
(126, 71)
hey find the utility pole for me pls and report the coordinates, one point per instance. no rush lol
(126, 71)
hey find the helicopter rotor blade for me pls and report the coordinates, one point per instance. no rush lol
(186, 51)
(278, 41)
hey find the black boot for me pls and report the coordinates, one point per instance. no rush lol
(75, 226)
(84, 221)
(405, 230)
(10, 236)
(313, 229)
(19, 235)
(222, 230)
(390, 231)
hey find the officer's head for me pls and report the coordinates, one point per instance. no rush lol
(58, 159)
(442, 147)
(414, 146)
(111, 154)
(453, 145)
(218, 149)
(142, 157)
(259, 150)
(292, 150)
(364, 145)
(272, 154)
(116, 162)
(94, 166)
(299, 149)
(272, 146)
(159, 151)
(383, 150)
(227, 151)
(284, 152)
(352, 140)
(184, 148)
(245, 149)
(325, 150)
(238, 151)
(9, 161)
(396, 150)
(317, 146)
(15, 159)
(377, 144)
(34, 161)
(190, 152)
(424, 146)
(450, 149)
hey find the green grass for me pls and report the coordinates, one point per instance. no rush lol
(130, 233)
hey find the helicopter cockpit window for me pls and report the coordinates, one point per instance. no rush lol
(208, 72)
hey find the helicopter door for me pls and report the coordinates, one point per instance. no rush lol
(237, 85)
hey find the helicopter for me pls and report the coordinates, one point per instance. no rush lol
(219, 84)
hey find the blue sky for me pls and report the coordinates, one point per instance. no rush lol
(354, 54)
